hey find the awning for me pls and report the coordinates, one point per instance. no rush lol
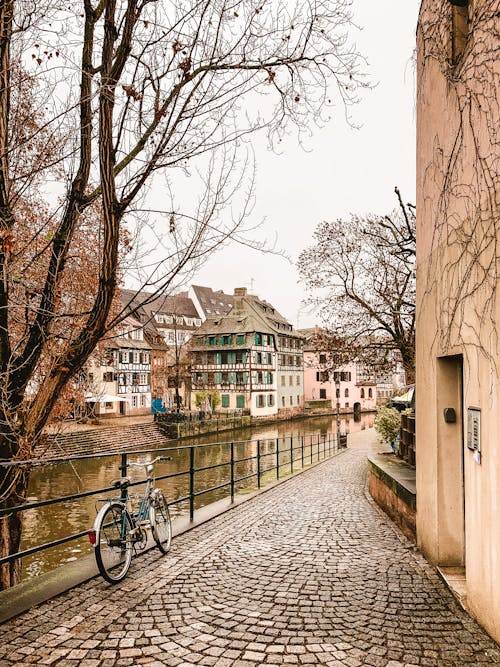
(407, 397)
(106, 398)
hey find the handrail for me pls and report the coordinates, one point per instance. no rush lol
(320, 447)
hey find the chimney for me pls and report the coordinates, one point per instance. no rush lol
(240, 291)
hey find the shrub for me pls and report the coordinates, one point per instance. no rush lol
(387, 424)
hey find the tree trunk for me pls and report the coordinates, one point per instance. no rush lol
(10, 539)
(16, 480)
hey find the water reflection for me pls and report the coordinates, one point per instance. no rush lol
(304, 439)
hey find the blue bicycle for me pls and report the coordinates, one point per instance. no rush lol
(117, 533)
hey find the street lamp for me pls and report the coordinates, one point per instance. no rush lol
(336, 377)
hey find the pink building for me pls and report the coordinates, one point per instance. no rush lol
(352, 384)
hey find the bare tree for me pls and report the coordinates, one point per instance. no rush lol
(103, 106)
(361, 273)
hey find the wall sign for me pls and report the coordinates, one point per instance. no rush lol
(474, 432)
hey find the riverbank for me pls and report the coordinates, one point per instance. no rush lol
(134, 433)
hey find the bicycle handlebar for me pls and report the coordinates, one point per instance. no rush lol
(143, 464)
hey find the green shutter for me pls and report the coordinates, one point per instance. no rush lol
(232, 377)
(225, 400)
(217, 378)
(231, 357)
(240, 340)
(240, 401)
(217, 357)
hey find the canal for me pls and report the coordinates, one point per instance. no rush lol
(65, 478)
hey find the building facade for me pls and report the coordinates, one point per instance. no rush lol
(251, 357)
(349, 385)
(458, 297)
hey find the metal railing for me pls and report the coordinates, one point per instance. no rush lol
(275, 463)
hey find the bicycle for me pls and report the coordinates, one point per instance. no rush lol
(116, 532)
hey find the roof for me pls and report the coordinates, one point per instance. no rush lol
(148, 303)
(246, 316)
(213, 302)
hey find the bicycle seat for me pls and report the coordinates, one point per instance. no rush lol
(121, 483)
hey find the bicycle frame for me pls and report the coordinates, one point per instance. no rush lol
(136, 518)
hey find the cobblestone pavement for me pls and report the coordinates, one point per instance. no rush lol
(310, 572)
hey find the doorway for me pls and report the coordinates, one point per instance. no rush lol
(450, 462)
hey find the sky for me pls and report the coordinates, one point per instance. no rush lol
(340, 170)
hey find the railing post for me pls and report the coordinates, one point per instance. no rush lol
(319, 438)
(311, 446)
(123, 472)
(324, 445)
(277, 458)
(291, 455)
(302, 447)
(191, 483)
(258, 464)
(232, 472)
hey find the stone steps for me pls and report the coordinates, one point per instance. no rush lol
(113, 439)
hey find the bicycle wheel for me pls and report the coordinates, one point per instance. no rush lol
(161, 526)
(113, 551)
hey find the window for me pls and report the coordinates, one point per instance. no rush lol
(269, 358)
(240, 339)
(212, 340)
(108, 405)
(337, 392)
(322, 393)
(347, 405)
(346, 393)
(107, 377)
(322, 358)
(269, 340)
(224, 400)
(362, 393)
(290, 380)
(283, 380)
(241, 377)
(134, 401)
(240, 401)
(258, 357)
(291, 400)
(143, 401)
(298, 400)
(321, 376)
(298, 380)
(460, 29)
(259, 400)
(130, 357)
(283, 401)
(269, 378)
(270, 400)
(241, 357)
(258, 339)
(370, 393)
(225, 340)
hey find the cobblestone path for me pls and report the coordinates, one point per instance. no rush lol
(309, 573)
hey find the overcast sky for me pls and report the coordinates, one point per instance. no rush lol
(344, 169)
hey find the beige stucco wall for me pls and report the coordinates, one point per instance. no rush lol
(458, 307)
